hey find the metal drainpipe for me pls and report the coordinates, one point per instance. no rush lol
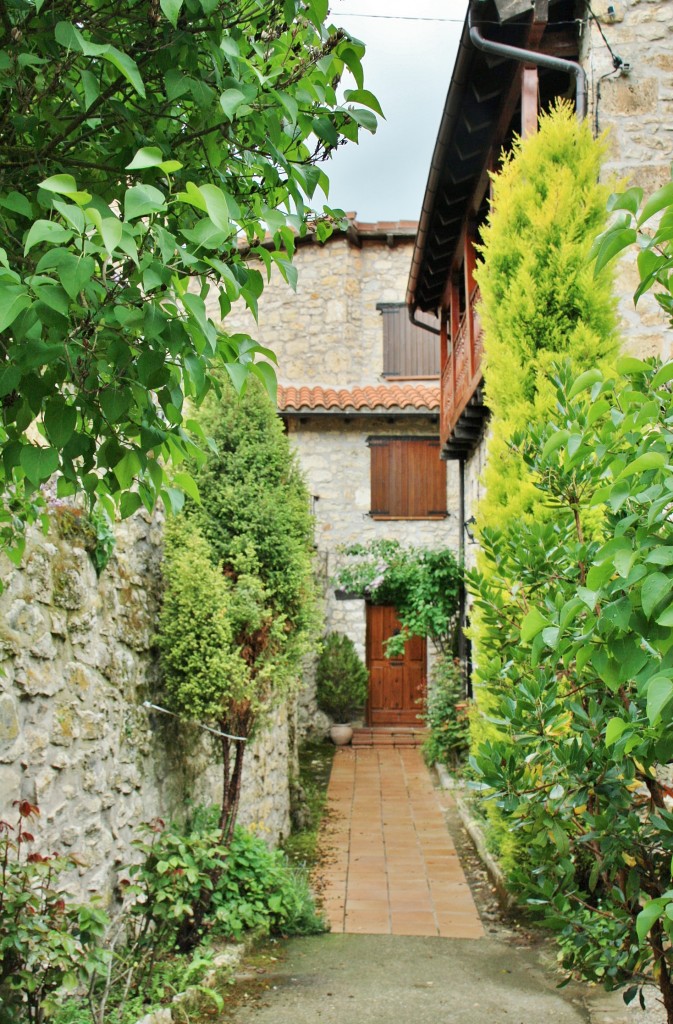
(419, 323)
(542, 60)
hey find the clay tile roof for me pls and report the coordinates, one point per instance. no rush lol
(382, 396)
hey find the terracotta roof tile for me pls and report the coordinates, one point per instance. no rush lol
(382, 396)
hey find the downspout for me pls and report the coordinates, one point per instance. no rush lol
(543, 60)
(419, 323)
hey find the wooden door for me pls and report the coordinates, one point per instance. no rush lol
(396, 685)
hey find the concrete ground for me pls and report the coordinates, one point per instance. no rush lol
(393, 979)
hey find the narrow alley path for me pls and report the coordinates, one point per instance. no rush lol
(390, 866)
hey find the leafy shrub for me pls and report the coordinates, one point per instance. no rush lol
(240, 603)
(446, 714)
(48, 943)
(249, 886)
(342, 679)
(580, 662)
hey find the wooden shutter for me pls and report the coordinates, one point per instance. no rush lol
(379, 477)
(408, 350)
(408, 479)
(428, 472)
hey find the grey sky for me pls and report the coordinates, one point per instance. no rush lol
(411, 49)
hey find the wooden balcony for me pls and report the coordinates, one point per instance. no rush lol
(463, 414)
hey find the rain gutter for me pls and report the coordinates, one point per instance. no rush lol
(543, 60)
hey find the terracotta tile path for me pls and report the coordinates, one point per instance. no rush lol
(390, 866)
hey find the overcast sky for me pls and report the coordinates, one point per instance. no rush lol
(411, 48)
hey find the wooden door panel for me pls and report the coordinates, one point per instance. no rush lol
(397, 685)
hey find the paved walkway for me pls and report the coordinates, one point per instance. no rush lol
(389, 865)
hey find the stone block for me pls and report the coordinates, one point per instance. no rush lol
(9, 719)
(38, 571)
(38, 677)
(65, 726)
(628, 97)
(10, 788)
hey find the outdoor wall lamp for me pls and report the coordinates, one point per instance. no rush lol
(467, 527)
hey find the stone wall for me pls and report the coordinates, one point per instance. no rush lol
(329, 332)
(635, 105)
(77, 663)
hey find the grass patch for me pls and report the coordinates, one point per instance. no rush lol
(309, 798)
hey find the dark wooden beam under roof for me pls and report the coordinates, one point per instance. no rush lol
(482, 101)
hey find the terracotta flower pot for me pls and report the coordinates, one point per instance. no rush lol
(341, 735)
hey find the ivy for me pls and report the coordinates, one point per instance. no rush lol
(422, 584)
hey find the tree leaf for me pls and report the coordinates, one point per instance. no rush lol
(139, 200)
(584, 381)
(654, 590)
(650, 913)
(657, 202)
(13, 300)
(148, 156)
(613, 243)
(62, 184)
(46, 231)
(532, 624)
(171, 9)
(614, 730)
(60, 420)
(38, 463)
(659, 693)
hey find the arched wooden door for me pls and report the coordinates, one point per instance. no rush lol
(396, 685)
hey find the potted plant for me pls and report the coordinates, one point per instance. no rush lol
(341, 684)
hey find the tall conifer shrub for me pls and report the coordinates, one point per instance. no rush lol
(540, 300)
(240, 608)
(540, 304)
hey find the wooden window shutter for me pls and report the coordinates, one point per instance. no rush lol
(408, 350)
(408, 479)
(434, 479)
(379, 477)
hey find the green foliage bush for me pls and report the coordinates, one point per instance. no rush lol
(49, 944)
(578, 652)
(540, 301)
(342, 679)
(422, 584)
(445, 714)
(240, 604)
(253, 888)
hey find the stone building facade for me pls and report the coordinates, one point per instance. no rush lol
(76, 665)
(335, 393)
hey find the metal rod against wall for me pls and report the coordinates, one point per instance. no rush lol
(543, 60)
(199, 725)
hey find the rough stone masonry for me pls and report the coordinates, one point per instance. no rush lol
(76, 664)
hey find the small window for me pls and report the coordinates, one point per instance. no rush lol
(408, 351)
(408, 478)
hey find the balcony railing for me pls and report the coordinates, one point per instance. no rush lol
(461, 375)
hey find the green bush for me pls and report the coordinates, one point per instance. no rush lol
(250, 887)
(579, 632)
(446, 714)
(49, 944)
(240, 606)
(540, 299)
(342, 679)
